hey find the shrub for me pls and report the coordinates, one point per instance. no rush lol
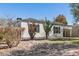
(12, 36)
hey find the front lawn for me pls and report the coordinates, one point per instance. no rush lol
(59, 41)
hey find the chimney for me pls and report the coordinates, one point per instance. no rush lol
(19, 19)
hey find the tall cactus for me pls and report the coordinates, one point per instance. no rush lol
(47, 27)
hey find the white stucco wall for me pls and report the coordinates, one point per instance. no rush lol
(25, 34)
(41, 34)
(52, 35)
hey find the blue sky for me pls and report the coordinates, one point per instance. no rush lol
(36, 10)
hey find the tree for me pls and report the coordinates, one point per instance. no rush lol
(47, 27)
(75, 11)
(8, 33)
(12, 34)
(10, 22)
(61, 19)
(31, 30)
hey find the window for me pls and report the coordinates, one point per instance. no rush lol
(78, 30)
(56, 29)
(37, 28)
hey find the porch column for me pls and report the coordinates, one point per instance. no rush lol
(65, 32)
(70, 32)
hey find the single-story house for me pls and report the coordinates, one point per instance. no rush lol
(57, 30)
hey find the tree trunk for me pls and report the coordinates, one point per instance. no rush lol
(32, 35)
(47, 35)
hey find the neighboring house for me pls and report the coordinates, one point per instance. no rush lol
(57, 30)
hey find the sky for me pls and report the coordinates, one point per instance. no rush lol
(36, 10)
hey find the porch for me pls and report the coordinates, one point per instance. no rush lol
(67, 32)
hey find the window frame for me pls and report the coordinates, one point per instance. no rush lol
(56, 30)
(37, 28)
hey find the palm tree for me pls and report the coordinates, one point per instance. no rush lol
(47, 27)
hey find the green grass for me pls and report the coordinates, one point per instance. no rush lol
(75, 42)
(64, 39)
(59, 42)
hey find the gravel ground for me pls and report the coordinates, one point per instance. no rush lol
(23, 46)
(32, 48)
(53, 50)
